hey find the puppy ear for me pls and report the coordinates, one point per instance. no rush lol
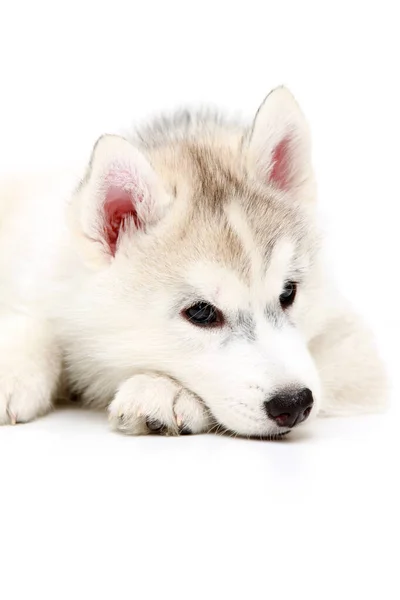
(279, 151)
(120, 192)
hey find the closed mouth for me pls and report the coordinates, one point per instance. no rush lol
(268, 437)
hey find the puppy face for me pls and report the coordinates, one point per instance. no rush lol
(203, 249)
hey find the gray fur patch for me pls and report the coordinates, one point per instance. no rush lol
(274, 316)
(245, 326)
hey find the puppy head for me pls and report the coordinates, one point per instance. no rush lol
(202, 247)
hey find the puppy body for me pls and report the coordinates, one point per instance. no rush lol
(99, 267)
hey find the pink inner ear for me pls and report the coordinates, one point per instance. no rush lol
(280, 172)
(118, 208)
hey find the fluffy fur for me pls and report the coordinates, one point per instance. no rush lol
(96, 270)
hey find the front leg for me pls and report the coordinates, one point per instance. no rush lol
(148, 403)
(30, 368)
(352, 375)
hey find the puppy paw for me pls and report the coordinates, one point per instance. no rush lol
(30, 367)
(154, 404)
(24, 398)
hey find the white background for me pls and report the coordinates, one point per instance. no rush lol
(89, 514)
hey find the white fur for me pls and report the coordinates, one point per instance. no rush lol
(146, 397)
(116, 320)
(30, 368)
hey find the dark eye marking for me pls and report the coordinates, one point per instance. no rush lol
(203, 314)
(288, 294)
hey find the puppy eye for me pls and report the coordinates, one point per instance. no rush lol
(288, 295)
(203, 315)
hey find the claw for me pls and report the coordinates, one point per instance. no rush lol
(185, 431)
(13, 418)
(179, 420)
(154, 425)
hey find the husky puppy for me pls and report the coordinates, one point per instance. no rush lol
(179, 283)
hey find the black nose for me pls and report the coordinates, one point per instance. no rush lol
(290, 407)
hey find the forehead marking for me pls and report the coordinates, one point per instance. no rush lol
(240, 225)
(266, 278)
